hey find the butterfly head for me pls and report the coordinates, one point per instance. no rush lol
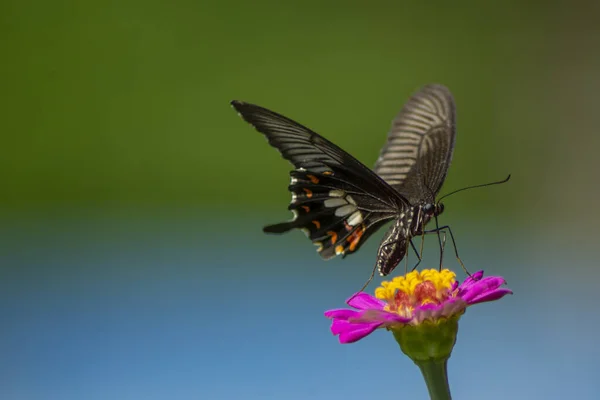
(433, 209)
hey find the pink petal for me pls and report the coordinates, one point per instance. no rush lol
(428, 306)
(477, 275)
(474, 278)
(340, 326)
(491, 296)
(454, 306)
(349, 331)
(487, 284)
(360, 331)
(364, 301)
(488, 281)
(492, 281)
(380, 316)
(341, 313)
(435, 311)
(427, 311)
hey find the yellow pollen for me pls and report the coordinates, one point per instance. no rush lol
(441, 281)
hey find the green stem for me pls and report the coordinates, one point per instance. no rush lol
(436, 378)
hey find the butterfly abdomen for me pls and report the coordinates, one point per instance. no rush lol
(394, 246)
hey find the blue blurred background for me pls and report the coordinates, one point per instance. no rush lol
(132, 262)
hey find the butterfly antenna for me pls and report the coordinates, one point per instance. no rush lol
(476, 186)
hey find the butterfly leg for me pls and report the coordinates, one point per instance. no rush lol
(443, 247)
(419, 255)
(406, 258)
(366, 283)
(437, 230)
(442, 234)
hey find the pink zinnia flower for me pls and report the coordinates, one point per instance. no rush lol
(419, 298)
(422, 310)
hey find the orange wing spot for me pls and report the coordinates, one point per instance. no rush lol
(308, 192)
(333, 236)
(354, 238)
(306, 208)
(328, 173)
(313, 179)
(339, 249)
(317, 224)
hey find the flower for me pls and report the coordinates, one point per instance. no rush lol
(422, 310)
(425, 298)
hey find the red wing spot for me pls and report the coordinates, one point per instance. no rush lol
(354, 237)
(347, 226)
(317, 224)
(306, 208)
(308, 192)
(313, 179)
(333, 236)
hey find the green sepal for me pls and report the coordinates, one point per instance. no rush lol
(429, 340)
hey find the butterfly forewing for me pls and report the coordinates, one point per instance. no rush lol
(418, 151)
(336, 200)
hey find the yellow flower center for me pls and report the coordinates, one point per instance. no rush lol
(416, 288)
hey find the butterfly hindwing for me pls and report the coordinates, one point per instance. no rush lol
(332, 213)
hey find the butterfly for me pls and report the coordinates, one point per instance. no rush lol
(339, 202)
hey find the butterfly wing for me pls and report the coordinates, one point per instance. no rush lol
(419, 147)
(336, 200)
(336, 215)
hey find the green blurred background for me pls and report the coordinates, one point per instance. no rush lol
(133, 196)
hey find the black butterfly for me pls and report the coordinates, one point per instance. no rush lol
(339, 202)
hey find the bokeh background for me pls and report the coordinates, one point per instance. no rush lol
(132, 262)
